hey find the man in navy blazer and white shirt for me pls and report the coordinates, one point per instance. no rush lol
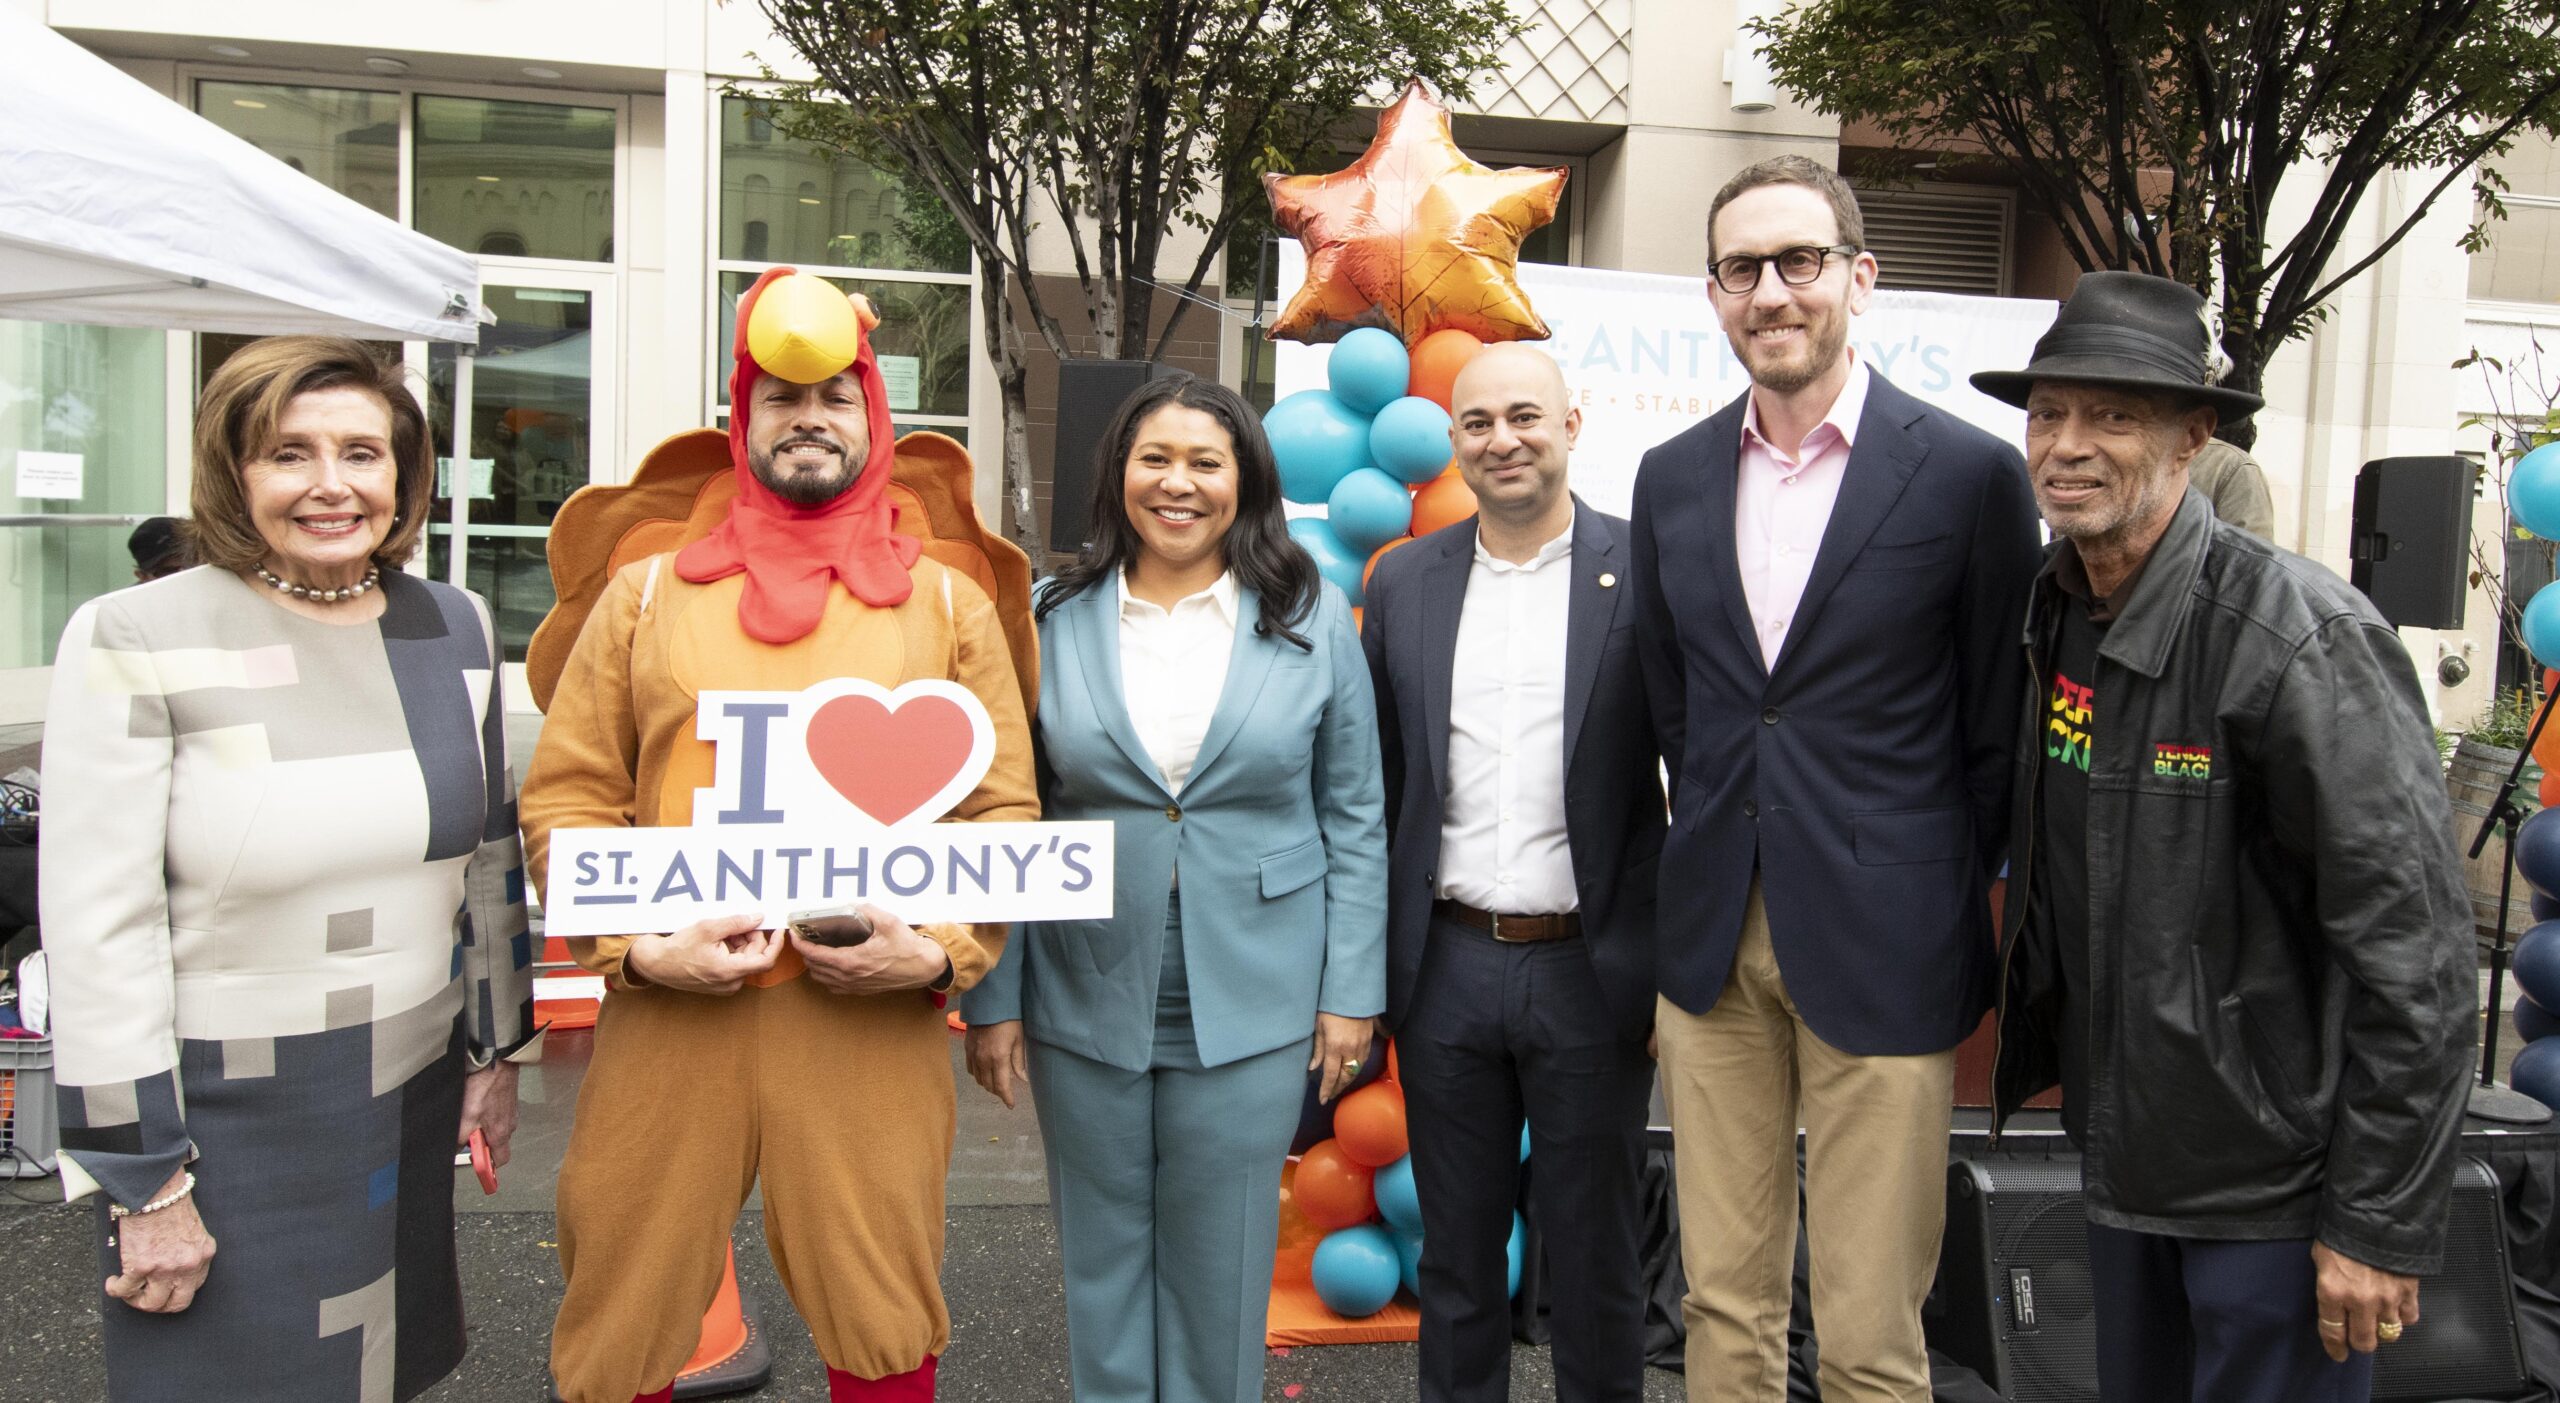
(1524, 813)
(1830, 579)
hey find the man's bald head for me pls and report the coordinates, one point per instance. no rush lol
(1513, 365)
(1513, 424)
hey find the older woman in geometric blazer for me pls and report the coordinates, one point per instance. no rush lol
(284, 907)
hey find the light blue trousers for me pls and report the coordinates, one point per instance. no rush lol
(1166, 1187)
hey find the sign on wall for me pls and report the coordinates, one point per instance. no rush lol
(1645, 358)
(825, 798)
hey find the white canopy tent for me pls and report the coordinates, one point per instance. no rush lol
(121, 208)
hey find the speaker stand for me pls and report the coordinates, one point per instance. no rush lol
(2506, 1105)
(2489, 1100)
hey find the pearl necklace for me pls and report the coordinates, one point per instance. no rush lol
(372, 577)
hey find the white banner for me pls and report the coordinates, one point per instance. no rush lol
(825, 798)
(623, 881)
(1644, 357)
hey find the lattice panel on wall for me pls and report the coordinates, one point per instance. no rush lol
(1572, 63)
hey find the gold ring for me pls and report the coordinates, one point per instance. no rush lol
(2388, 1331)
(2333, 1325)
(1351, 1064)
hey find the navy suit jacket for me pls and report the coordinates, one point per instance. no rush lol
(1613, 809)
(1864, 775)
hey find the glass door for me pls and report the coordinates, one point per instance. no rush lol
(519, 425)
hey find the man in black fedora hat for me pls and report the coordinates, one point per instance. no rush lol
(2243, 947)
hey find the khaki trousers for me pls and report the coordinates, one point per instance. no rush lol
(1737, 1079)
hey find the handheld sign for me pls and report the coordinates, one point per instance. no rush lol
(824, 798)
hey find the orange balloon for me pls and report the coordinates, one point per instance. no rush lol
(1369, 1125)
(1436, 360)
(1413, 235)
(1445, 500)
(1377, 555)
(1332, 1189)
(2549, 793)
(1296, 1259)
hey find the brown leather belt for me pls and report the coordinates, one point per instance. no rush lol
(1511, 930)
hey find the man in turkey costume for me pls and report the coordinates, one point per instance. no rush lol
(809, 546)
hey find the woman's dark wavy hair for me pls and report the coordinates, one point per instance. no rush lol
(1260, 552)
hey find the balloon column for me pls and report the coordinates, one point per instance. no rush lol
(1412, 255)
(1350, 1219)
(1411, 260)
(2533, 498)
(1375, 457)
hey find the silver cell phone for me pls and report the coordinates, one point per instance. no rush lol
(836, 927)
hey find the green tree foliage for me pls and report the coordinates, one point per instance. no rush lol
(2158, 135)
(1106, 125)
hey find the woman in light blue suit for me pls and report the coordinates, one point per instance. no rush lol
(1203, 689)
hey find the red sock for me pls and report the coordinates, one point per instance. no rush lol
(664, 1395)
(913, 1386)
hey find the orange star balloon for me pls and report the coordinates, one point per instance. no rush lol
(1413, 236)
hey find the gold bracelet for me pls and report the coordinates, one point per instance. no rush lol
(118, 1210)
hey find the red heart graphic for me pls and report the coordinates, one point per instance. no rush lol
(888, 763)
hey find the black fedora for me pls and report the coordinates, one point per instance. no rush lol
(2130, 331)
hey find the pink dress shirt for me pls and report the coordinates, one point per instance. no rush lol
(1781, 504)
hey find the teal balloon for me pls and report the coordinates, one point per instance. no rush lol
(1334, 560)
(1368, 509)
(1513, 1251)
(2537, 963)
(2542, 625)
(1524, 1142)
(1369, 367)
(1317, 441)
(1397, 1201)
(1410, 438)
(1356, 1271)
(2536, 1071)
(1409, 1259)
(2533, 497)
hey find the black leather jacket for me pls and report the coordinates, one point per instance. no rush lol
(2281, 966)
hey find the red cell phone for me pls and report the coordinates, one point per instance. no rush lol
(481, 1165)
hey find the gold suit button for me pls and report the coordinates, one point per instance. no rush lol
(1173, 813)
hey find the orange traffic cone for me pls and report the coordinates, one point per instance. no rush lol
(732, 1356)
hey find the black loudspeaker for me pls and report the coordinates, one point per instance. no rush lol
(1089, 393)
(2412, 545)
(2013, 1303)
(2465, 1343)
(2012, 1298)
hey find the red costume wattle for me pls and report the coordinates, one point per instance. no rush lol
(791, 553)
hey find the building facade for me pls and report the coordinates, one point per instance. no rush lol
(620, 191)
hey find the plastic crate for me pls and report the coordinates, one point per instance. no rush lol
(30, 1128)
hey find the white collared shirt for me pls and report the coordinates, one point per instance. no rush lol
(1173, 665)
(1502, 835)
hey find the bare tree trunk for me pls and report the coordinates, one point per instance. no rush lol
(1014, 379)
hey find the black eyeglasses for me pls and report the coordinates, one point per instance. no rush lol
(1796, 266)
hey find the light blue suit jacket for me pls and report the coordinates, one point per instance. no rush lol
(1280, 832)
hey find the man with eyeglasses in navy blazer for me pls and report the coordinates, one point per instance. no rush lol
(1830, 579)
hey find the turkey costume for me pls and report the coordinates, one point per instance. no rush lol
(696, 577)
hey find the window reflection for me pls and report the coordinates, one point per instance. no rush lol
(345, 139)
(522, 179)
